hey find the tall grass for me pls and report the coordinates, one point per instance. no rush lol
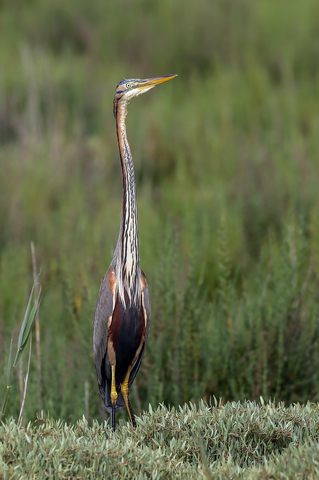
(226, 163)
(24, 334)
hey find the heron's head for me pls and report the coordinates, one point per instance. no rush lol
(128, 89)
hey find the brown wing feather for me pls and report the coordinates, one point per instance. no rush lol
(147, 317)
(103, 312)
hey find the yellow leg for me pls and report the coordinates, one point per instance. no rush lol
(113, 389)
(113, 398)
(125, 390)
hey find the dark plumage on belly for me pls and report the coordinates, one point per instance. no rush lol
(126, 332)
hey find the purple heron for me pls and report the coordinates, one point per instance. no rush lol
(122, 313)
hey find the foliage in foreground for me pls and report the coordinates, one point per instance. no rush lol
(231, 441)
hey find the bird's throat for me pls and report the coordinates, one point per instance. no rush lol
(128, 262)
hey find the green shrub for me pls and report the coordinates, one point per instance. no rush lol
(233, 441)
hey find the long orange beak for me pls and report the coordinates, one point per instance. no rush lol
(152, 82)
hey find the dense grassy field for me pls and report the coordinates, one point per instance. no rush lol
(227, 159)
(236, 441)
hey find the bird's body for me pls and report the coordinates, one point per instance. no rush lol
(122, 314)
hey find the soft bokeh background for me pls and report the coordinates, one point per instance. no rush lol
(226, 158)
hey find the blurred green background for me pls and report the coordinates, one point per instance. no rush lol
(226, 159)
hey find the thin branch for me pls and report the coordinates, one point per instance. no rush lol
(25, 385)
(37, 329)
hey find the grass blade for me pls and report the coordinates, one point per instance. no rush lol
(26, 326)
(24, 334)
(25, 386)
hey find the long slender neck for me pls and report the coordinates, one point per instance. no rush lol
(128, 260)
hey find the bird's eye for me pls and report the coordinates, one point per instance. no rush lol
(128, 85)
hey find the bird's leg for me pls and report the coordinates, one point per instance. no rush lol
(125, 390)
(113, 398)
(129, 408)
(113, 417)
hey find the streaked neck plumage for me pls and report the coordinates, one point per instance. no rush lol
(127, 261)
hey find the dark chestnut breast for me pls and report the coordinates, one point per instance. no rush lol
(126, 332)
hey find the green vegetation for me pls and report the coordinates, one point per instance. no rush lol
(227, 159)
(235, 441)
(24, 335)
